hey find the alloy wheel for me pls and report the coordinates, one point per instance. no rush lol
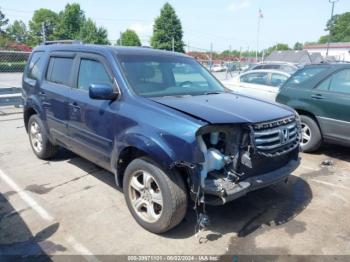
(36, 137)
(306, 134)
(145, 196)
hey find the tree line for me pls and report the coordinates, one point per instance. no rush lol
(72, 23)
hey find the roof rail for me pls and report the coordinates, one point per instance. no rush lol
(54, 42)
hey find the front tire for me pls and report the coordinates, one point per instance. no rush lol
(157, 200)
(39, 141)
(311, 135)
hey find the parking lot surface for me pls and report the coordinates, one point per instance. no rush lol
(70, 206)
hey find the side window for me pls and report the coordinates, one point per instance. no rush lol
(304, 75)
(255, 78)
(59, 70)
(341, 82)
(35, 65)
(278, 79)
(92, 72)
(324, 85)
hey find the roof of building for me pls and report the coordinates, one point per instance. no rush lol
(331, 45)
(291, 56)
(316, 58)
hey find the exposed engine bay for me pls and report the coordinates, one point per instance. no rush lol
(242, 158)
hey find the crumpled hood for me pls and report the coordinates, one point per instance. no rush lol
(226, 108)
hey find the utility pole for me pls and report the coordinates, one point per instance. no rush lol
(173, 43)
(43, 33)
(240, 58)
(121, 39)
(329, 35)
(260, 15)
(211, 56)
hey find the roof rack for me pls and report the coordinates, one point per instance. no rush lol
(54, 42)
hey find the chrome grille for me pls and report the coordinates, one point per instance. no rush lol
(276, 137)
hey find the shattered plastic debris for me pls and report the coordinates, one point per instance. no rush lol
(327, 162)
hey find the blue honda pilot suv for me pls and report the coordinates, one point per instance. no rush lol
(161, 123)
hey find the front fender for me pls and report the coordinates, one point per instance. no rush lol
(164, 148)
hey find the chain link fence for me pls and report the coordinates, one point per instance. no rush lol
(13, 61)
(12, 64)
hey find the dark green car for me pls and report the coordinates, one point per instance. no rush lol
(321, 96)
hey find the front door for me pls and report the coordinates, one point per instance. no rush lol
(92, 122)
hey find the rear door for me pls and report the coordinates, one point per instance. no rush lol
(92, 123)
(54, 94)
(256, 84)
(332, 97)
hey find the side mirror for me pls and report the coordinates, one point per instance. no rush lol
(102, 92)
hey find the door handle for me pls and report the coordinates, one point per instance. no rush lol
(317, 96)
(75, 106)
(42, 94)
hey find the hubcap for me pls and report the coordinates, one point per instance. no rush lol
(306, 134)
(145, 196)
(36, 137)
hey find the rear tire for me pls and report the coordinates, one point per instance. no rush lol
(39, 141)
(311, 135)
(156, 199)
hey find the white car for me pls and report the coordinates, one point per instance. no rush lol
(262, 84)
(217, 68)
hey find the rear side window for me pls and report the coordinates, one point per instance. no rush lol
(259, 78)
(303, 75)
(341, 82)
(59, 70)
(35, 65)
(278, 79)
(92, 72)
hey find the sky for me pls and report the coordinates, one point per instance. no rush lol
(220, 23)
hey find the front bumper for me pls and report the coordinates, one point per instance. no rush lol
(229, 191)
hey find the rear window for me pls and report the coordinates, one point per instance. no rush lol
(303, 75)
(35, 65)
(59, 70)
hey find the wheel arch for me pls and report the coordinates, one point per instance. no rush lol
(309, 114)
(27, 113)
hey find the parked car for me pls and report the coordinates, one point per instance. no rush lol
(217, 68)
(262, 84)
(280, 66)
(321, 95)
(165, 134)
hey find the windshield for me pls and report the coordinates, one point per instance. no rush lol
(152, 76)
(303, 75)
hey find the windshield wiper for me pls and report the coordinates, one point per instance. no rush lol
(212, 93)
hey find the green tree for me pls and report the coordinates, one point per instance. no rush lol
(338, 28)
(277, 47)
(129, 38)
(3, 22)
(90, 33)
(167, 27)
(17, 31)
(42, 17)
(71, 19)
(298, 46)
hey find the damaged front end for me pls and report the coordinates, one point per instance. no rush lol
(240, 158)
